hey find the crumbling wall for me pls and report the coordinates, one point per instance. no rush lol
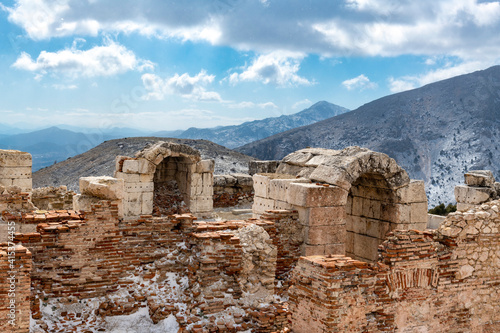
(289, 240)
(480, 187)
(443, 280)
(52, 198)
(15, 169)
(92, 265)
(234, 190)
(13, 202)
(95, 189)
(15, 267)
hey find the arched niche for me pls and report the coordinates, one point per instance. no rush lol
(172, 185)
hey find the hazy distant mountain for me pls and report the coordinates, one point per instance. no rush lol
(100, 161)
(168, 134)
(49, 145)
(9, 130)
(238, 135)
(436, 132)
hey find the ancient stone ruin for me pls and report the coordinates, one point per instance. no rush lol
(339, 242)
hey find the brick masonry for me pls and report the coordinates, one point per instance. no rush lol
(444, 280)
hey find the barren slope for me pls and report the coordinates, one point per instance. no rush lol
(100, 161)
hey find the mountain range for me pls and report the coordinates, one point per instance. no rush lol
(436, 132)
(51, 145)
(238, 135)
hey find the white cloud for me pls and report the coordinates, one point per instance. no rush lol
(107, 60)
(360, 82)
(279, 68)
(450, 70)
(464, 28)
(301, 103)
(190, 87)
(403, 84)
(251, 105)
(64, 86)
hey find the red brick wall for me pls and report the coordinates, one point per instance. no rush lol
(417, 285)
(15, 268)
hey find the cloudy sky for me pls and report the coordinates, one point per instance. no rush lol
(167, 64)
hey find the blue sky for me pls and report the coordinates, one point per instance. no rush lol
(166, 65)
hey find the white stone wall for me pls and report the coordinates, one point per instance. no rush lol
(15, 169)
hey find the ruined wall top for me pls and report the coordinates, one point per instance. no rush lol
(15, 169)
(157, 152)
(343, 167)
(480, 187)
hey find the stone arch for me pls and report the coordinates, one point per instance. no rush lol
(367, 194)
(167, 167)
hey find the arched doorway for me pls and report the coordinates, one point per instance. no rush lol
(172, 186)
(369, 216)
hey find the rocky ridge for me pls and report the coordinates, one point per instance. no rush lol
(238, 135)
(100, 161)
(437, 132)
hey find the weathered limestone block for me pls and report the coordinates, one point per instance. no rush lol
(147, 203)
(205, 166)
(158, 151)
(262, 167)
(261, 184)
(418, 212)
(189, 168)
(15, 172)
(225, 180)
(366, 247)
(322, 235)
(295, 170)
(282, 205)
(139, 187)
(26, 184)
(312, 195)
(473, 195)
(84, 202)
(207, 179)
(15, 158)
(332, 175)
(15, 169)
(139, 165)
(243, 179)
(377, 228)
(132, 204)
(260, 205)
(434, 221)
(278, 188)
(322, 216)
(403, 214)
(299, 158)
(481, 178)
(201, 204)
(371, 208)
(128, 177)
(322, 250)
(413, 192)
(107, 188)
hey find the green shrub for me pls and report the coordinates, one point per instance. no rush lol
(441, 209)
